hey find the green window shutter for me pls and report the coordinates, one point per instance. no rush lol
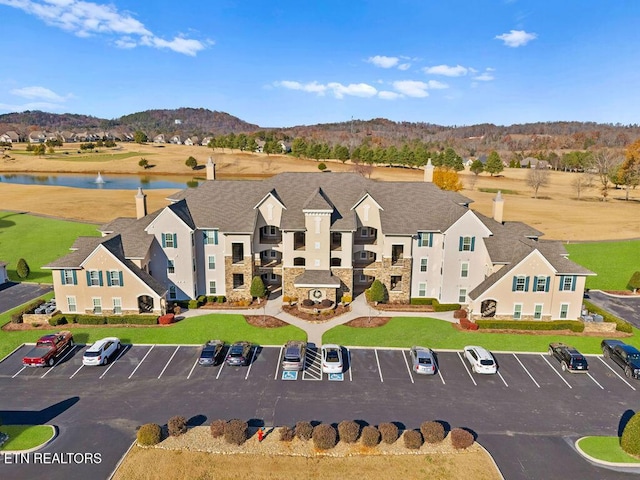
(473, 243)
(108, 279)
(62, 277)
(430, 240)
(164, 244)
(460, 244)
(546, 285)
(573, 283)
(526, 284)
(100, 277)
(175, 240)
(514, 284)
(88, 278)
(535, 283)
(561, 282)
(75, 278)
(215, 237)
(121, 279)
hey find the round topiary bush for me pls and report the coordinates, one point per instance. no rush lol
(348, 431)
(432, 432)
(22, 269)
(217, 428)
(412, 439)
(326, 303)
(370, 436)
(307, 302)
(461, 438)
(177, 426)
(630, 439)
(388, 432)
(324, 436)
(304, 430)
(149, 434)
(236, 432)
(287, 434)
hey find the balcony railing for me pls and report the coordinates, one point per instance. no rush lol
(270, 239)
(368, 240)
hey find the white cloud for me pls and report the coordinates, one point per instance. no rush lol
(404, 66)
(85, 19)
(354, 89)
(484, 77)
(383, 62)
(446, 70)
(436, 85)
(387, 95)
(412, 88)
(313, 87)
(516, 38)
(41, 93)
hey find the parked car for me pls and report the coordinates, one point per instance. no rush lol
(626, 356)
(101, 351)
(332, 358)
(294, 355)
(422, 360)
(239, 354)
(570, 359)
(47, 349)
(480, 359)
(210, 354)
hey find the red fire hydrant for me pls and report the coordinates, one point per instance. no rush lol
(260, 434)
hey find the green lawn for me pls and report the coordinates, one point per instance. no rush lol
(614, 262)
(84, 156)
(38, 240)
(24, 437)
(606, 448)
(429, 332)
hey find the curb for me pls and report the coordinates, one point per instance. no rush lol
(495, 465)
(603, 462)
(13, 351)
(34, 449)
(613, 295)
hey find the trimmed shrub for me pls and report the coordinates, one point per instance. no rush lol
(304, 430)
(461, 438)
(468, 324)
(634, 282)
(202, 299)
(149, 434)
(444, 307)
(236, 432)
(17, 316)
(462, 313)
(91, 320)
(388, 432)
(192, 305)
(432, 432)
(211, 299)
(346, 299)
(370, 436)
(324, 436)
(132, 320)
(307, 302)
(422, 301)
(377, 292)
(573, 325)
(326, 303)
(412, 439)
(621, 325)
(217, 428)
(177, 426)
(58, 319)
(348, 430)
(287, 434)
(166, 319)
(257, 289)
(630, 438)
(222, 299)
(22, 269)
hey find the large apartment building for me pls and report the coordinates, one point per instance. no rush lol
(320, 235)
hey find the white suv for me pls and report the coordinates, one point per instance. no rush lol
(480, 359)
(101, 351)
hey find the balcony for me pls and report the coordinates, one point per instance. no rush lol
(270, 239)
(336, 241)
(366, 236)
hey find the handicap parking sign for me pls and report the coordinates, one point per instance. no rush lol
(289, 375)
(336, 377)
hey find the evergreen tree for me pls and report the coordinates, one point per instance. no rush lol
(494, 163)
(258, 290)
(22, 269)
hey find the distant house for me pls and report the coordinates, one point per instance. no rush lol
(67, 136)
(37, 136)
(159, 139)
(205, 141)
(176, 140)
(10, 137)
(260, 146)
(286, 146)
(534, 163)
(192, 141)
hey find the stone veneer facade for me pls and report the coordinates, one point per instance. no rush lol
(246, 269)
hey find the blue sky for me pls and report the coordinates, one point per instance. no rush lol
(282, 63)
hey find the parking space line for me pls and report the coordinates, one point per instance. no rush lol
(221, 367)
(128, 347)
(465, 367)
(275, 377)
(58, 362)
(503, 380)
(557, 373)
(312, 366)
(595, 381)
(165, 367)
(378, 362)
(525, 369)
(607, 365)
(253, 357)
(192, 368)
(408, 368)
(18, 372)
(74, 373)
(350, 366)
(143, 359)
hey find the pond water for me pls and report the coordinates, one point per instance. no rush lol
(110, 181)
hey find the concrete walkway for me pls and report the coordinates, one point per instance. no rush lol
(315, 330)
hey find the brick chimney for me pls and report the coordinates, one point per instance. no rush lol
(428, 172)
(141, 204)
(498, 208)
(211, 169)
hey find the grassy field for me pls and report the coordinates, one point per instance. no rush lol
(71, 155)
(437, 334)
(24, 437)
(607, 449)
(38, 240)
(614, 262)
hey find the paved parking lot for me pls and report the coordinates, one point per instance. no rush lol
(518, 372)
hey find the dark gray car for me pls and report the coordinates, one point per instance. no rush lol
(210, 352)
(238, 354)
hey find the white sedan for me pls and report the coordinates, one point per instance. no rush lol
(331, 358)
(480, 359)
(101, 351)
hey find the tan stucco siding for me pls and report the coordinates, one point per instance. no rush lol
(318, 240)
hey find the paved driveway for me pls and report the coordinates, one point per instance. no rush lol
(13, 294)
(625, 307)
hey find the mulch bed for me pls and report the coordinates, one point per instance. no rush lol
(615, 334)
(316, 317)
(265, 321)
(368, 322)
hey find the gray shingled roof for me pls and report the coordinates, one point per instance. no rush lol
(316, 278)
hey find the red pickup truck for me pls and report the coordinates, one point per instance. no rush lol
(47, 349)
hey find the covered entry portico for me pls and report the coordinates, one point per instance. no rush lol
(317, 285)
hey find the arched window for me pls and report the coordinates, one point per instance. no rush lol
(299, 262)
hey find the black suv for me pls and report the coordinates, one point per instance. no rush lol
(569, 358)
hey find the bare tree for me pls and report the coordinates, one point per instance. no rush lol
(536, 178)
(605, 162)
(581, 182)
(363, 169)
